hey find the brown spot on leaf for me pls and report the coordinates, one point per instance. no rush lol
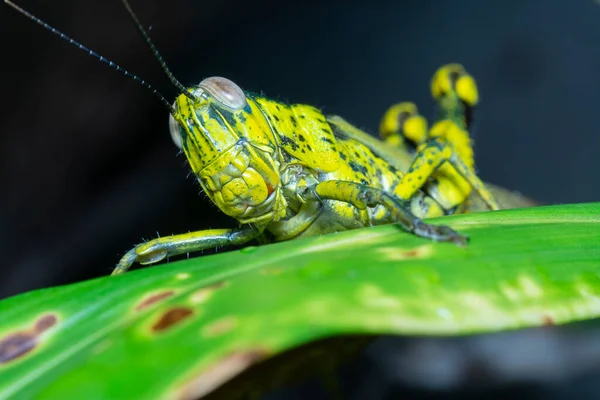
(411, 253)
(216, 285)
(45, 322)
(204, 293)
(171, 317)
(219, 373)
(397, 254)
(18, 344)
(155, 298)
(220, 327)
(548, 320)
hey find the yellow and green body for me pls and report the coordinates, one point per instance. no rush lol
(287, 171)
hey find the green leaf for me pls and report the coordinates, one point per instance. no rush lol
(180, 329)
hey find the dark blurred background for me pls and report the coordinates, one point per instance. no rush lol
(87, 164)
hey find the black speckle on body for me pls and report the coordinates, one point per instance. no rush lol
(286, 141)
(356, 167)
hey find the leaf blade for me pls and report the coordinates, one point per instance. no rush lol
(197, 321)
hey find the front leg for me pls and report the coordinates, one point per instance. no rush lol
(161, 248)
(362, 196)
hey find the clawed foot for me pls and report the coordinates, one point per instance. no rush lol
(440, 233)
(145, 253)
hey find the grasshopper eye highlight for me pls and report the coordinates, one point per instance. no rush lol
(174, 129)
(224, 91)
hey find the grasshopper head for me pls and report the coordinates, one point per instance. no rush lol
(230, 148)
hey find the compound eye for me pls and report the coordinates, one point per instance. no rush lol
(224, 91)
(175, 129)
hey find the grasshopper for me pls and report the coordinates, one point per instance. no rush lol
(286, 171)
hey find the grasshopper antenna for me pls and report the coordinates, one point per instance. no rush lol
(155, 52)
(94, 54)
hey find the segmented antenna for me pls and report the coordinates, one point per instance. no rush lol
(155, 52)
(94, 54)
